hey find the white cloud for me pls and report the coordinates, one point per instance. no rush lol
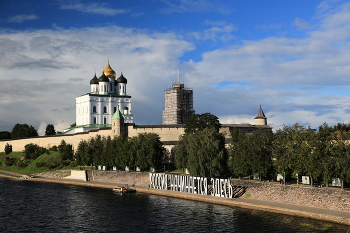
(223, 33)
(301, 24)
(21, 18)
(94, 8)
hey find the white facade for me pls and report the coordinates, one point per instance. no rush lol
(108, 94)
(95, 109)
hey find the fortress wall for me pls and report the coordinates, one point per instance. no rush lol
(165, 133)
(49, 141)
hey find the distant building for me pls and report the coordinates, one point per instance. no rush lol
(178, 104)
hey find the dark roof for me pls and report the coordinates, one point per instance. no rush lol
(94, 80)
(122, 79)
(103, 78)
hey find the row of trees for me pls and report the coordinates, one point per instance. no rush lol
(143, 151)
(25, 131)
(322, 155)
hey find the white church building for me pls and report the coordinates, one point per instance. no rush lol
(107, 95)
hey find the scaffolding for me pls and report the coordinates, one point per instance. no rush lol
(178, 104)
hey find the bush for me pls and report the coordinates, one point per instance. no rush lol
(9, 161)
(33, 151)
(22, 163)
(8, 149)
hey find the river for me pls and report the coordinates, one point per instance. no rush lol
(27, 206)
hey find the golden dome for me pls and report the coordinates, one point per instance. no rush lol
(108, 71)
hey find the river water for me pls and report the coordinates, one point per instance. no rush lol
(27, 206)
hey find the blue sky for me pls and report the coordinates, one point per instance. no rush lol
(291, 57)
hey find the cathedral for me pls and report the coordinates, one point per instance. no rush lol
(107, 95)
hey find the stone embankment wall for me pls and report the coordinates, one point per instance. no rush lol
(120, 177)
(330, 198)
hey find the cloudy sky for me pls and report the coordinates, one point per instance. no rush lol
(291, 57)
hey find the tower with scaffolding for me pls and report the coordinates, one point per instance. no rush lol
(178, 103)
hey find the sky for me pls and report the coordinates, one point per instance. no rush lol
(290, 57)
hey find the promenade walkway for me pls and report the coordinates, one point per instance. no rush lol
(289, 209)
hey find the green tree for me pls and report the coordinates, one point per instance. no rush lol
(8, 149)
(207, 156)
(295, 150)
(181, 154)
(23, 131)
(5, 135)
(239, 154)
(198, 122)
(95, 149)
(149, 150)
(202, 148)
(50, 130)
(66, 151)
(122, 153)
(81, 155)
(340, 155)
(109, 152)
(260, 152)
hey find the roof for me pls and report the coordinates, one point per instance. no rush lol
(117, 115)
(108, 71)
(260, 114)
(122, 79)
(103, 78)
(94, 80)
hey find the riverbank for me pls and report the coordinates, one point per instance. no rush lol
(341, 217)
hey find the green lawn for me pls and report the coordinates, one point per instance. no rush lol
(51, 158)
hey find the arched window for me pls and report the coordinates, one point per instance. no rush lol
(115, 109)
(104, 109)
(94, 120)
(104, 120)
(126, 110)
(94, 109)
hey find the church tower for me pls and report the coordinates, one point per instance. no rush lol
(178, 104)
(260, 118)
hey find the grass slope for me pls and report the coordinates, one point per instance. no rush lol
(50, 158)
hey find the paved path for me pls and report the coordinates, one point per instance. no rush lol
(290, 209)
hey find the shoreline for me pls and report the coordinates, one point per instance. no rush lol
(339, 217)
